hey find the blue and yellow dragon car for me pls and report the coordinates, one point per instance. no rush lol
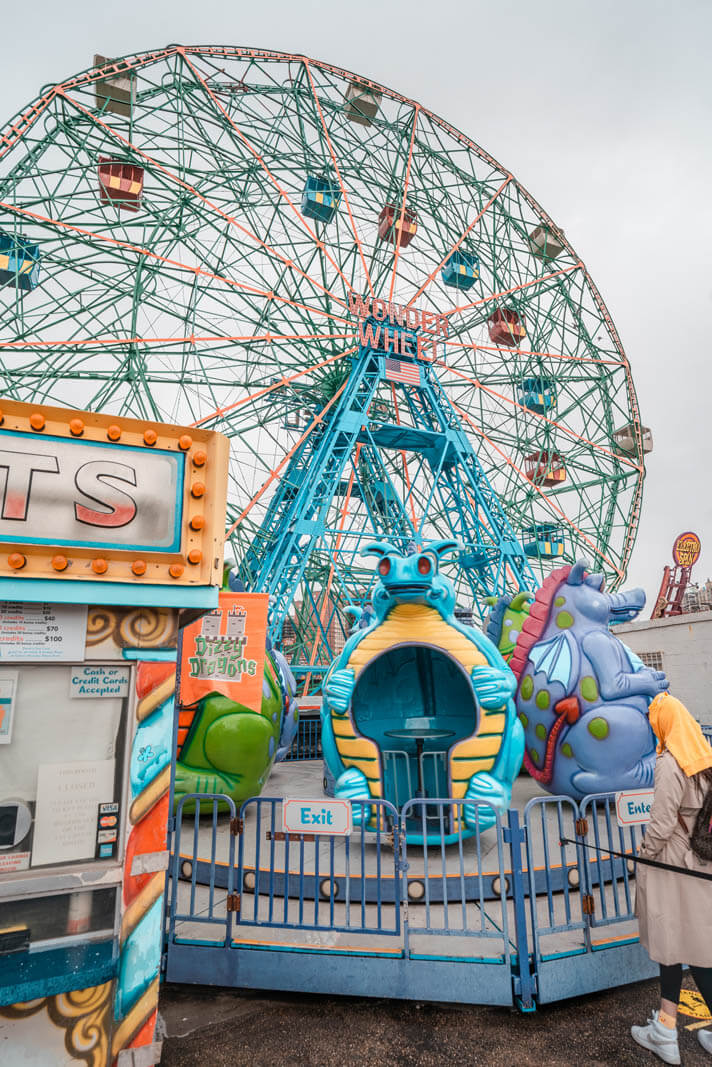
(418, 704)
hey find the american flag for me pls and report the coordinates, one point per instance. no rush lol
(397, 370)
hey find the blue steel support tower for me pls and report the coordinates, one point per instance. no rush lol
(297, 517)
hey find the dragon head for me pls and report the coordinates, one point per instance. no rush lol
(412, 577)
(584, 593)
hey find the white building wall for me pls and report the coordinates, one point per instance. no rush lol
(685, 642)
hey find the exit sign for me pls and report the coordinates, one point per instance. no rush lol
(316, 817)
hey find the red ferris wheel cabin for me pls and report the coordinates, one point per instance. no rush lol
(120, 183)
(506, 328)
(545, 468)
(390, 227)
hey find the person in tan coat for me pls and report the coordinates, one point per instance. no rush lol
(675, 910)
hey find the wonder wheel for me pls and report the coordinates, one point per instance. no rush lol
(397, 339)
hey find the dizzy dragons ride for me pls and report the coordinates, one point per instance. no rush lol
(419, 704)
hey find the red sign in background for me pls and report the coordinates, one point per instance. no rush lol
(686, 550)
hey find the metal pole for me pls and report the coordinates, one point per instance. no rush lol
(524, 982)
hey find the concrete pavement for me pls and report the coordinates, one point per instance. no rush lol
(217, 1028)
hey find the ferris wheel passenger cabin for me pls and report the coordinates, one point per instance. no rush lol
(120, 183)
(624, 439)
(537, 394)
(292, 419)
(320, 199)
(546, 242)
(506, 328)
(545, 468)
(19, 261)
(362, 103)
(115, 93)
(391, 229)
(461, 270)
(474, 559)
(547, 540)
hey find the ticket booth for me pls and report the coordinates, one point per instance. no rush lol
(111, 535)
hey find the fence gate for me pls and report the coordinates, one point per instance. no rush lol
(252, 906)
(585, 935)
(464, 895)
(473, 908)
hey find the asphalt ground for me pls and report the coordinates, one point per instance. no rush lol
(216, 1028)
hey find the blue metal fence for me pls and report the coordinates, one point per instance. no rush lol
(307, 741)
(207, 883)
(609, 879)
(554, 886)
(513, 913)
(582, 917)
(317, 881)
(455, 902)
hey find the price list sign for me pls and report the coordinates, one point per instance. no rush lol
(42, 631)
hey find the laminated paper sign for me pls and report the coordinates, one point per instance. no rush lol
(224, 652)
(95, 680)
(42, 631)
(68, 799)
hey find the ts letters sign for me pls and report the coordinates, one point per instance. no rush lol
(105, 498)
(72, 492)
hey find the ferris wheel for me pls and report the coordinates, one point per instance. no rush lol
(226, 236)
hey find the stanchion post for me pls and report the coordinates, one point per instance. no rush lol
(524, 982)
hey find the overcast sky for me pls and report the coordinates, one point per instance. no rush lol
(602, 109)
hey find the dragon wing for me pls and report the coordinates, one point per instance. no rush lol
(557, 658)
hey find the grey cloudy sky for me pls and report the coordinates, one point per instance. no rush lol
(601, 109)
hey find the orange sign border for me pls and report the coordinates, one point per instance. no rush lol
(199, 561)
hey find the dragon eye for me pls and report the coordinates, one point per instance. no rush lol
(424, 565)
(384, 566)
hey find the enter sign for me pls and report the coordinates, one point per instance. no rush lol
(633, 807)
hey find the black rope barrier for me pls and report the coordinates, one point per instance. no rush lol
(640, 859)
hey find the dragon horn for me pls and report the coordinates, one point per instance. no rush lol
(378, 548)
(577, 572)
(440, 548)
(520, 600)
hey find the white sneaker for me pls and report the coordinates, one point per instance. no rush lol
(658, 1039)
(705, 1039)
